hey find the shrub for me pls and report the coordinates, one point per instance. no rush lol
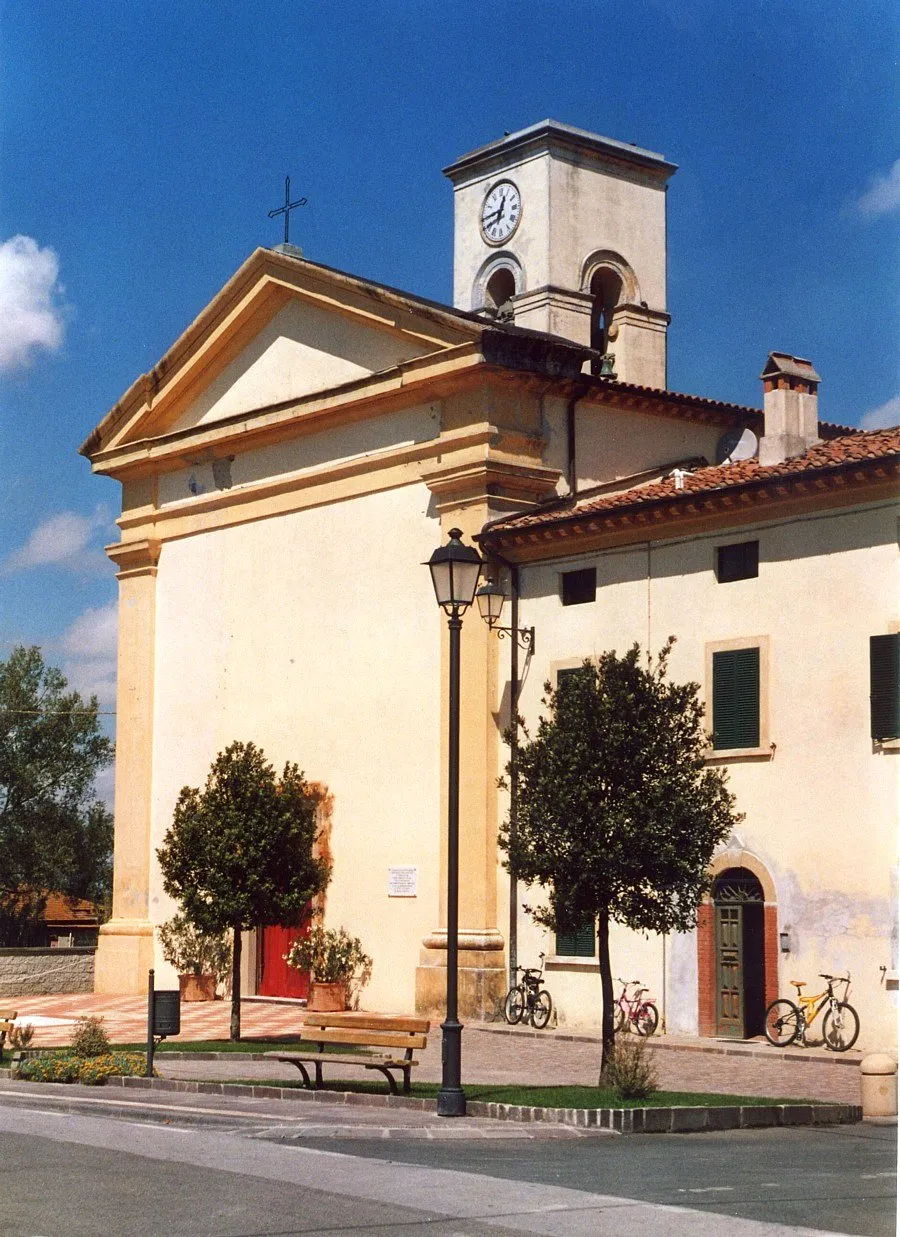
(192, 952)
(89, 1038)
(21, 1036)
(92, 1071)
(631, 1070)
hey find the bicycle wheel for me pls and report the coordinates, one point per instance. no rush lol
(618, 1019)
(541, 1010)
(646, 1019)
(514, 1006)
(782, 1023)
(840, 1027)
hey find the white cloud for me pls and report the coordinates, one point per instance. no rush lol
(63, 540)
(885, 415)
(31, 316)
(883, 194)
(89, 651)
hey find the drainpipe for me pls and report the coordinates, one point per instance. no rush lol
(571, 461)
(513, 930)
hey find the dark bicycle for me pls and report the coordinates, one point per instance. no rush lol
(528, 1000)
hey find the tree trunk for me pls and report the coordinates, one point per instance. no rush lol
(606, 989)
(236, 985)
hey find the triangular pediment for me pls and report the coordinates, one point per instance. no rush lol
(281, 329)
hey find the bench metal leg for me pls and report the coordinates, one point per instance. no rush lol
(319, 1083)
(307, 1081)
(384, 1069)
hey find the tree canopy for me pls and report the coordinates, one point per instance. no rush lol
(55, 835)
(618, 816)
(240, 853)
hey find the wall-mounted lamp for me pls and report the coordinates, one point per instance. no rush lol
(491, 599)
(784, 941)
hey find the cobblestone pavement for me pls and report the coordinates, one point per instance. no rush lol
(492, 1053)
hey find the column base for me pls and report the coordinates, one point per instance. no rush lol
(124, 956)
(482, 976)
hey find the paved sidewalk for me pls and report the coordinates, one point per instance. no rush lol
(492, 1053)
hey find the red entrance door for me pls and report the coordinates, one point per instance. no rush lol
(273, 975)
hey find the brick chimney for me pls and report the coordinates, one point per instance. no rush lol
(790, 408)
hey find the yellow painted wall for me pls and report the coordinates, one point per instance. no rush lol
(316, 636)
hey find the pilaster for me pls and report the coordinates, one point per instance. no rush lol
(125, 946)
(468, 493)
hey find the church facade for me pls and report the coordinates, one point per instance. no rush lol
(292, 462)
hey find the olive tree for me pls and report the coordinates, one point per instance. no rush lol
(240, 853)
(618, 816)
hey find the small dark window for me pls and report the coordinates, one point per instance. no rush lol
(578, 944)
(736, 699)
(884, 686)
(567, 674)
(737, 562)
(579, 586)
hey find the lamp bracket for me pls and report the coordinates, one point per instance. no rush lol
(524, 636)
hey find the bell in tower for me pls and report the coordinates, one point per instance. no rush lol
(563, 231)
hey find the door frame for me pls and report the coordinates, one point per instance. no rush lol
(707, 968)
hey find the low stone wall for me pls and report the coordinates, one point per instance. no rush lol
(45, 972)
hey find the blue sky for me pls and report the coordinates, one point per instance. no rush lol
(143, 144)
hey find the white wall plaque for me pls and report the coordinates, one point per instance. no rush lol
(403, 882)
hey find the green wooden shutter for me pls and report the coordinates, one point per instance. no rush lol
(578, 944)
(884, 680)
(736, 698)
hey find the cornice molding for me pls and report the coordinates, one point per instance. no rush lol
(676, 516)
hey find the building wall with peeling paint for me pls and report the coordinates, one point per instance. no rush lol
(820, 805)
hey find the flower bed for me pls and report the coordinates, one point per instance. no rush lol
(92, 1071)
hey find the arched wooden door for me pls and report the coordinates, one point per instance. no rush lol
(740, 954)
(273, 975)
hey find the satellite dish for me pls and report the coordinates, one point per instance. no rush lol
(736, 445)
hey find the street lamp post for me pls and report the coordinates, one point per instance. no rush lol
(454, 573)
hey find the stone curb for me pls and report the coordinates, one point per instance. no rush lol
(619, 1120)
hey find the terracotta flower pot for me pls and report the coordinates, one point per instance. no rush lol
(326, 998)
(197, 987)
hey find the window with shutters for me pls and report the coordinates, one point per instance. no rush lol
(884, 687)
(737, 698)
(581, 943)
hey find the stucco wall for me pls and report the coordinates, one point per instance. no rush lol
(316, 636)
(821, 810)
(45, 972)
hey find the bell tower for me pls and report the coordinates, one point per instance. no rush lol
(563, 231)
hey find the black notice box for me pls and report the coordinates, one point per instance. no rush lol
(167, 1012)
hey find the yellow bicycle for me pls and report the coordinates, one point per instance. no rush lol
(787, 1021)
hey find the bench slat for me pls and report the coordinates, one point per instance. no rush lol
(368, 1022)
(383, 1039)
(338, 1058)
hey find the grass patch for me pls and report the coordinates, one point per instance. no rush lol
(542, 1097)
(288, 1043)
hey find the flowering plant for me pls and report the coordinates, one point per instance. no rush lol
(192, 952)
(331, 956)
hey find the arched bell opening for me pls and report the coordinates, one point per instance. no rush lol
(499, 292)
(606, 293)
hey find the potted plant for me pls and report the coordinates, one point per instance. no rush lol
(202, 960)
(337, 965)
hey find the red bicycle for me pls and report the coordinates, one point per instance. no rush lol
(636, 1011)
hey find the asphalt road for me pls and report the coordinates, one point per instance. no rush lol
(73, 1165)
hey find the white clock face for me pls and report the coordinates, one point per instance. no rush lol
(500, 212)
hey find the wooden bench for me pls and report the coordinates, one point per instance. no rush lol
(7, 1018)
(363, 1031)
